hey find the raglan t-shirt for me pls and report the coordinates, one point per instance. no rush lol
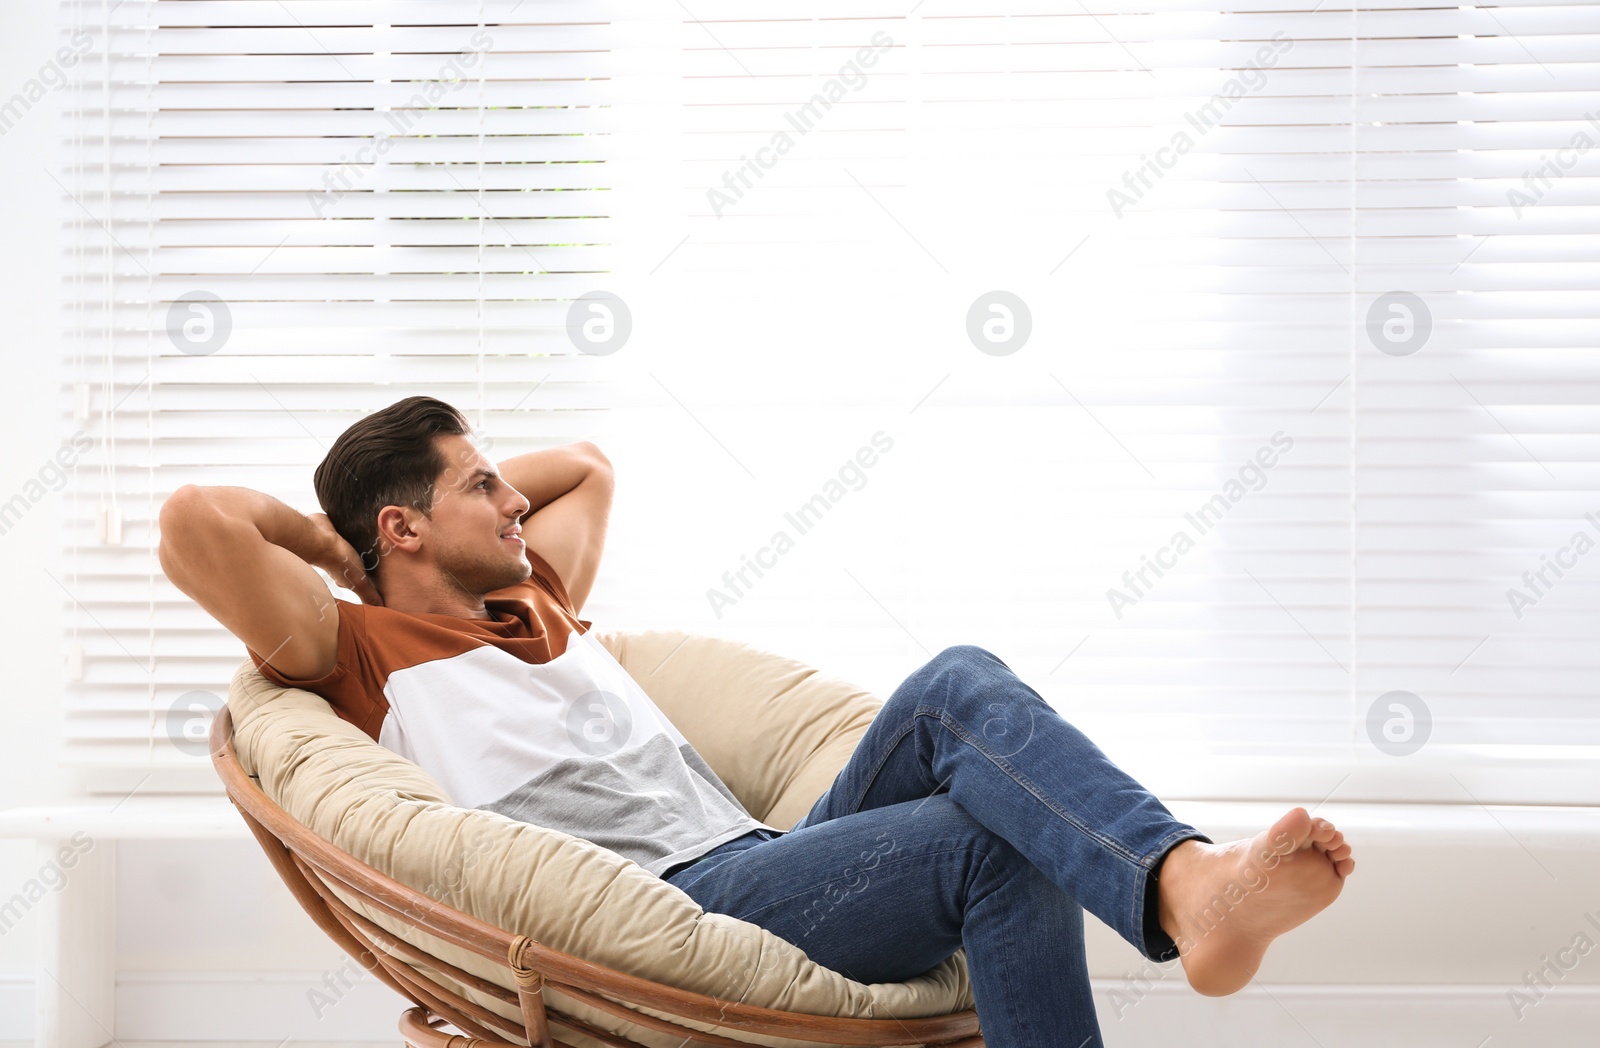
(528, 715)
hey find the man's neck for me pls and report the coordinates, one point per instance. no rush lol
(438, 598)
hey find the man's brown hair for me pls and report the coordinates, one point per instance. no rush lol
(387, 459)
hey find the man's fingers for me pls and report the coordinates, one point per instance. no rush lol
(366, 589)
(361, 584)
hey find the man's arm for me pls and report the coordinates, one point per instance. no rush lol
(247, 559)
(569, 491)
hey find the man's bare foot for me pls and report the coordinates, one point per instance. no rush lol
(1223, 904)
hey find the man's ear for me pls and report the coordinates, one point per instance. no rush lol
(397, 529)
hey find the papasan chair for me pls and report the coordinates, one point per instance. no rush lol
(514, 934)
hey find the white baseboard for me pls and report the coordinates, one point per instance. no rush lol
(1325, 1016)
(344, 1005)
(218, 1008)
(16, 1007)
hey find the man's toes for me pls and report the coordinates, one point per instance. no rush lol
(1322, 831)
(1344, 866)
(1294, 824)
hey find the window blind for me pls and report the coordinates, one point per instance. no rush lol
(284, 217)
(1223, 371)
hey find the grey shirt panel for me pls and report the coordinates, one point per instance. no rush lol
(657, 803)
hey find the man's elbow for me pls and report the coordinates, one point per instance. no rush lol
(180, 507)
(182, 510)
(599, 467)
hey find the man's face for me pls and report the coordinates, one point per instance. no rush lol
(472, 509)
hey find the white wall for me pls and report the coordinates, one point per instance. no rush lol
(29, 620)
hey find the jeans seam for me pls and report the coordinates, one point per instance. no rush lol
(813, 888)
(1005, 955)
(1109, 843)
(883, 758)
(1142, 865)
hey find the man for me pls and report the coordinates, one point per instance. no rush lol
(970, 814)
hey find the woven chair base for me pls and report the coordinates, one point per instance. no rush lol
(313, 868)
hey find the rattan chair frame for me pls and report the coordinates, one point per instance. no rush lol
(311, 866)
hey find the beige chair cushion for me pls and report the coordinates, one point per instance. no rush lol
(776, 731)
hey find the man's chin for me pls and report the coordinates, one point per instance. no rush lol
(518, 575)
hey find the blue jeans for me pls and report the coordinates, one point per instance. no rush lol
(970, 815)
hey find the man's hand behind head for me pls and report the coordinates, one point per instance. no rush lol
(247, 559)
(341, 561)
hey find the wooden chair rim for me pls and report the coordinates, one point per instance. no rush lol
(295, 849)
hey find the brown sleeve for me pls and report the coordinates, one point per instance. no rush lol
(353, 687)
